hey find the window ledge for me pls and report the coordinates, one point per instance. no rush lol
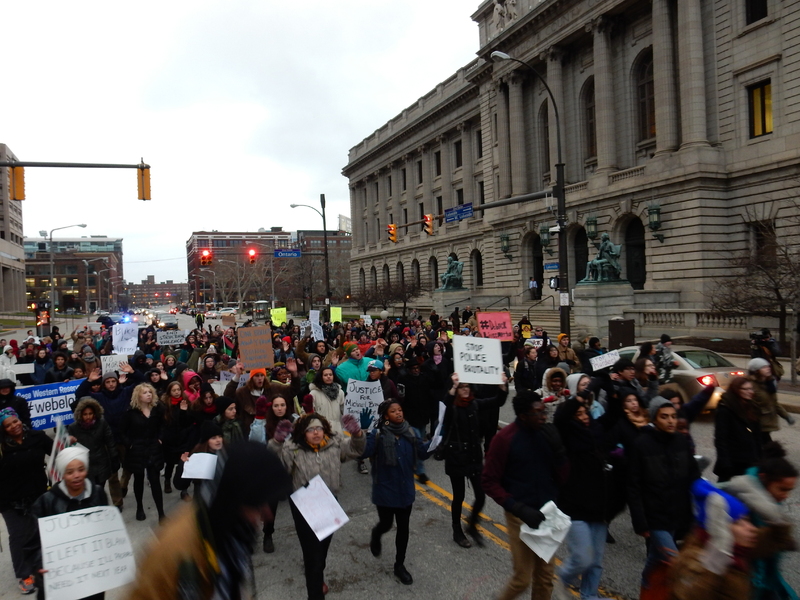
(760, 138)
(756, 25)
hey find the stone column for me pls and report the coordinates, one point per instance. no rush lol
(692, 74)
(427, 185)
(504, 149)
(664, 78)
(519, 161)
(555, 80)
(448, 198)
(468, 162)
(604, 97)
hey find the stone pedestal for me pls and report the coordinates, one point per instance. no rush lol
(597, 303)
(444, 301)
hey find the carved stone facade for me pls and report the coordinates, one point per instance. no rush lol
(683, 105)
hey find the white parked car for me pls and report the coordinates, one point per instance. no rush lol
(227, 311)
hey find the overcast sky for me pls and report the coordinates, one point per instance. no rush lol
(240, 107)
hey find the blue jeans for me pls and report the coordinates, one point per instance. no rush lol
(661, 548)
(419, 468)
(586, 542)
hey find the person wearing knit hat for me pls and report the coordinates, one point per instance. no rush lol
(354, 366)
(661, 471)
(756, 364)
(765, 397)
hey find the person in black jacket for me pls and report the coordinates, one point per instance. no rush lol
(60, 370)
(9, 399)
(526, 375)
(75, 491)
(661, 470)
(22, 481)
(737, 430)
(417, 403)
(142, 430)
(91, 431)
(585, 497)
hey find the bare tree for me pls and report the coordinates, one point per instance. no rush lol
(364, 298)
(404, 292)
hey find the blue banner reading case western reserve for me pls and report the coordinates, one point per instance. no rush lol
(49, 403)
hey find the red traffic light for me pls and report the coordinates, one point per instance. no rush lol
(252, 253)
(205, 258)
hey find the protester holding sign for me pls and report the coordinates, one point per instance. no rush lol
(74, 492)
(316, 450)
(22, 481)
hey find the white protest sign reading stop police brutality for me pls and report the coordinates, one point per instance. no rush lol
(85, 552)
(478, 360)
(360, 395)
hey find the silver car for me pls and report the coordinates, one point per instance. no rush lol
(696, 369)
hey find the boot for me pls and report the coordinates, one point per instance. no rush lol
(375, 543)
(472, 530)
(402, 574)
(459, 537)
(167, 487)
(140, 514)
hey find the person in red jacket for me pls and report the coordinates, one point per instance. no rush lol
(524, 468)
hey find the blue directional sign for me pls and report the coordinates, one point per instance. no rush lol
(553, 266)
(287, 253)
(463, 211)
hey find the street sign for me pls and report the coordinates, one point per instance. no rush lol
(463, 211)
(551, 266)
(287, 253)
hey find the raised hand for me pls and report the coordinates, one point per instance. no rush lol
(365, 418)
(282, 431)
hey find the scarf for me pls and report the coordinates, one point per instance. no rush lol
(639, 420)
(84, 425)
(388, 433)
(210, 410)
(437, 359)
(320, 446)
(331, 391)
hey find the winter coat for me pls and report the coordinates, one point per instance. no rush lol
(765, 397)
(141, 436)
(57, 376)
(587, 493)
(661, 470)
(18, 403)
(551, 398)
(737, 439)
(98, 439)
(490, 399)
(393, 485)
(332, 410)
(22, 476)
(567, 355)
(231, 430)
(304, 464)
(419, 399)
(525, 375)
(463, 453)
(40, 369)
(352, 369)
(115, 404)
(179, 432)
(439, 375)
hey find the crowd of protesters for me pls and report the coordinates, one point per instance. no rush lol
(591, 441)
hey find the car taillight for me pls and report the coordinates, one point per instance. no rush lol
(707, 380)
(737, 373)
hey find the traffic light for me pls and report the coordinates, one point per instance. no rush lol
(16, 183)
(392, 229)
(143, 182)
(252, 254)
(428, 224)
(206, 258)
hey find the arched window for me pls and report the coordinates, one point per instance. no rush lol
(386, 279)
(399, 274)
(433, 268)
(415, 272)
(544, 141)
(635, 259)
(477, 268)
(373, 275)
(581, 252)
(646, 97)
(590, 126)
(362, 279)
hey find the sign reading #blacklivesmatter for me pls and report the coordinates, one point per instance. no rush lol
(478, 360)
(255, 347)
(496, 326)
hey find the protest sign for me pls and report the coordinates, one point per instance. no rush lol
(527, 330)
(49, 403)
(228, 321)
(225, 376)
(125, 338)
(336, 314)
(363, 394)
(319, 508)
(478, 360)
(535, 342)
(85, 552)
(436, 438)
(255, 347)
(313, 316)
(219, 387)
(111, 362)
(60, 441)
(200, 465)
(604, 360)
(496, 326)
(171, 337)
(278, 316)
(367, 319)
(317, 333)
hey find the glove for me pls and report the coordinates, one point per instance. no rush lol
(532, 517)
(282, 431)
(365, 418)
(790, 419)
(350, 425)
(308, 404)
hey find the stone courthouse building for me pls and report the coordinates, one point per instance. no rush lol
(680, 125)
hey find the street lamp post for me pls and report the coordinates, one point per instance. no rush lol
(558, 192)
(52, 261)
(86, 265)
(325, 248)
(214, 285)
